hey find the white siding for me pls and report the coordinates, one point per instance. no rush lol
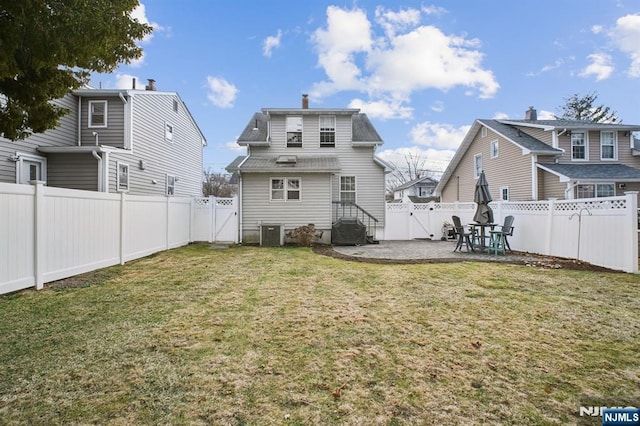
(314, 206)
(356, 162)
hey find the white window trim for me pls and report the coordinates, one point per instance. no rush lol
(320, 130)
(497, 150)
(586, 146)
(21, 156)
(166, 185)
(615, 146)
(289, 129)
(595, 185)
(285, 183)
(476, 172)
(483, 132)
(118, 164)
(106, 114)
(355, 191)
(168, 136)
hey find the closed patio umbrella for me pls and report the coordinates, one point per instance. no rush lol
(482, 197)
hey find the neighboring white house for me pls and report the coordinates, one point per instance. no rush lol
(144, 142)
(416, 190)
(309, 166)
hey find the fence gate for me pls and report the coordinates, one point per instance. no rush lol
(215, 220)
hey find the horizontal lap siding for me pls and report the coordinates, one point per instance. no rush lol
(353, 161)
(74, 171)
(181, 158)
(315, 206)
(510, 168)
(63, 135)
(113, 134)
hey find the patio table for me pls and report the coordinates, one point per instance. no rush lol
(480, 238)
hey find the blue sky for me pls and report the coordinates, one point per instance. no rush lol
(422, 71)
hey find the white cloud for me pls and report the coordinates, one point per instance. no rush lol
(392, 22)
(500, 116)
(437, 106)
(271, 43)
(221, 93)
(125, 81)
(434, 10)
(601, 66)
(435, 160)
(625, 36)
(140, 13)
(347, 33)
(437, 135)
(382, 109)
(402, 57)
(597, 29)
(546, 115)
(233, 146)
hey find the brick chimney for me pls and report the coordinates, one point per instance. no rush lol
(151, 86)
(531, 114)
(305, 101)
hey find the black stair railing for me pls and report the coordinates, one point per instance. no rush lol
(351, 209)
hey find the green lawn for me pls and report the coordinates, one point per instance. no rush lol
(262, 336)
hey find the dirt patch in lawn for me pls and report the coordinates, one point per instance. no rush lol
(536, 261)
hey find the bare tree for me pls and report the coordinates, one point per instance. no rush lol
(411, 167)
(578, 107)
(217, 184)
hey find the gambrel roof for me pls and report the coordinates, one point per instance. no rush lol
(256, 132)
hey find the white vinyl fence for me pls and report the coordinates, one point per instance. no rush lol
(47, 234)
(601, 231)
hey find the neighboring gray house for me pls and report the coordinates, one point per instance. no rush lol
(309, 166)
(143, 142)
(535, 159)
(416, 189)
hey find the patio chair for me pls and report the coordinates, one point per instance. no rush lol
(463, 236)
(506, 230)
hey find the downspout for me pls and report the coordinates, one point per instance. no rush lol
(79, 121)
(97, 157)
(534, 177)
(240, 195)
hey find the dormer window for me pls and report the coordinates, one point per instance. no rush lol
(97, 113)
(294, 132)
(327, 131)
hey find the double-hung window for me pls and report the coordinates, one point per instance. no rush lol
(171, 185)
(477, 165)
(168, 132)
(285, 189)
(595, 190)
(97, 113)
(122, 178)
(294, 132)
(578, 146)
(327, 131)
(494, 149)
(348, 188)
(607, 145)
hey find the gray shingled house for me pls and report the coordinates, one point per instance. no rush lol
(535, 159)
(144, 142)
(309, 166)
